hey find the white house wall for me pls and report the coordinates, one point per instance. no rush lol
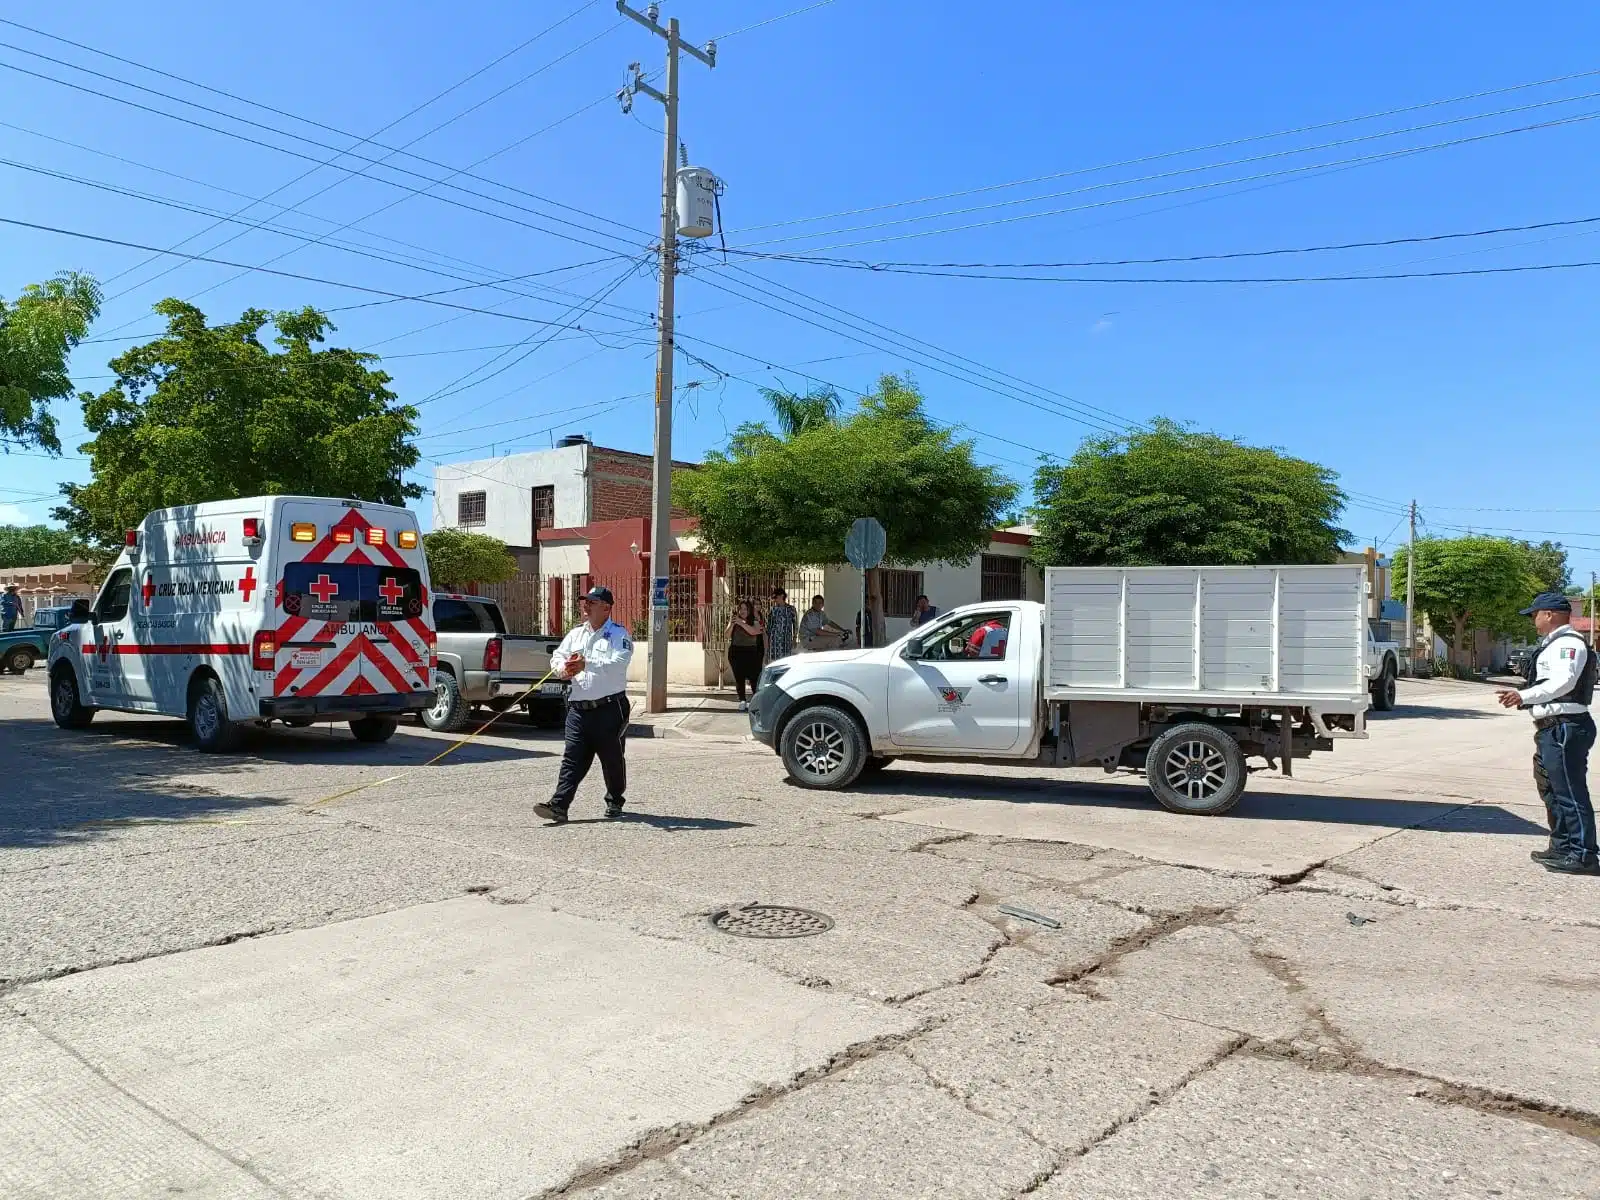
(508, 483)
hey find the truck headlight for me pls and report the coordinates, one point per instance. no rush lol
(771, 675)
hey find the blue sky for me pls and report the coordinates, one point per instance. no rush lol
(1441, 388)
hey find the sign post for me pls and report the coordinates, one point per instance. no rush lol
(864, 547)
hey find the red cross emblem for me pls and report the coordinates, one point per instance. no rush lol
(104, 647)
(391, 590)
(324, 589)
(248, 584)
(148, 590)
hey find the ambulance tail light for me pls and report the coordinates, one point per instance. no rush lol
(344, 536)
(407, 539)
(264, 649)
(252, 531)
(303, 531)
(492, 653)
(375, 536)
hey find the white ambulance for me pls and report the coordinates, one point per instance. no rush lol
(240, 612)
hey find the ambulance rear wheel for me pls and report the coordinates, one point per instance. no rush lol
(213, 732)
(65, 705)
(374, 729)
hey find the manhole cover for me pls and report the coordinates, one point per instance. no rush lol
(771, 921)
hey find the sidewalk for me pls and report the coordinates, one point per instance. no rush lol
(711, 713)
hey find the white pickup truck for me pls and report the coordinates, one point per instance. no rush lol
(1183, 672)
(1383, 667)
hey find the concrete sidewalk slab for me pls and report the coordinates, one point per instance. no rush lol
(454, 1050)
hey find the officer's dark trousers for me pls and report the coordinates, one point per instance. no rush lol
(595, 733)
(1561, 773)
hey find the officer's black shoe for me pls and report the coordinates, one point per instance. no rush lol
(551, 813)
(1546, 855)
(1570, 864)
(613, 811)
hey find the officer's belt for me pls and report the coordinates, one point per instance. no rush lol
(600, 703)
(1557, 718)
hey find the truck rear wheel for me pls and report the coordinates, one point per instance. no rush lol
(1196, 769)
(1383, 688)
(19, 660)
(449, 711)
(824, 748)
(66, 706)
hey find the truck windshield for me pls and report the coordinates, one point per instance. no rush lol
(351, 592)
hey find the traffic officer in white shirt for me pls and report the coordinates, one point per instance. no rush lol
(595, 657)
(1560, 684)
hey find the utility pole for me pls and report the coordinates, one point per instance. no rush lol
(1592, 594)
(1411, 594)
(661, 500)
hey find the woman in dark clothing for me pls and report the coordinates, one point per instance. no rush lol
(744, 649)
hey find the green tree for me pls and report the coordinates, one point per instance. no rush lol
(783, 500)
(457, 558)
(1469, 583)
(37, 332)
(37, 546)
(209, 412)
(1170, 495)
(1548, 561)
(796, 413)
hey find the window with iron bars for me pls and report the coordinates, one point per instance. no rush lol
(1002, 578)
(900, 592)
(544, 508)
(472, 508)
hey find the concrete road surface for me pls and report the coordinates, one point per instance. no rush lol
(215, 982)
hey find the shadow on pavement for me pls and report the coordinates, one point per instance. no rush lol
(1431, 711)
(67, 787)
(668, 823)
(1379, 812)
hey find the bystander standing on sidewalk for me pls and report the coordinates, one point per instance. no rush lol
(744, 649)
(782, 624)
(923, 612)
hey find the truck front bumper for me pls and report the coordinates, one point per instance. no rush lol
(768, 706)
(345, 708)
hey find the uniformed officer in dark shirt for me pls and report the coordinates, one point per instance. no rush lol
(595, 657)
(1559, 681)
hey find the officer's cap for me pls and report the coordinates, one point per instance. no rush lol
(1548, 602)
(599, 593)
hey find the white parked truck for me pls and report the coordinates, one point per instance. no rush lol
(1184, 672)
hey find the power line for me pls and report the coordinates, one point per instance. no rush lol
(337, 151)
(1166, 154)
(347, 176)
(865, 265)
(1282, 173)
(775, 20)
(295, 116)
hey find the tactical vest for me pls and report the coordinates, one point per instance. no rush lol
(1582, 691)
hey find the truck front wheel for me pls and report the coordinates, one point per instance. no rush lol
(824, 748)
(1196, 769)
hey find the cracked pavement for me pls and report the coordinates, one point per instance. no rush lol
(1354, 986)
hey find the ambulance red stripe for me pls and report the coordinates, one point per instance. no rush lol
(388, 670)
(182, 648)
(331, 672)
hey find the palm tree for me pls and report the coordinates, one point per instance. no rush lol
(796, 413)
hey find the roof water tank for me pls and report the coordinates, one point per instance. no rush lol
(573, 439)
(697, 202)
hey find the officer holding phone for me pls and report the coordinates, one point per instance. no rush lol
(595, 657)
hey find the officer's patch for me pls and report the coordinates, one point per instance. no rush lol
(1573, 653)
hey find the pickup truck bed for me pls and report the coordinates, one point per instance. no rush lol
(480, 663)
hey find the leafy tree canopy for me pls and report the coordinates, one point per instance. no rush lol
(457, 558)
(1548, 561)
(37, 332)
(791, 499)
(1468, 583)
(37, 546)
(1171, 495)
(209, 413)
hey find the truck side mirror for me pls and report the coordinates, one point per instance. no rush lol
(912, 650)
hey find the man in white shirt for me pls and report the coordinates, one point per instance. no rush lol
(595, 657)
(1560, 684)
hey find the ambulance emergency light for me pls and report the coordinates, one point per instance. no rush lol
(303, 531)
(252, 531)
(408, 539)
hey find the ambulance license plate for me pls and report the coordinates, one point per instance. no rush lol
(306, 658)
